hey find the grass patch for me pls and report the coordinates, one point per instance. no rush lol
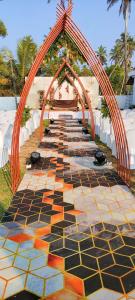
(5, 194)
(46, 123)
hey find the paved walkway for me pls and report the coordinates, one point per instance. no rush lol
(69, 232)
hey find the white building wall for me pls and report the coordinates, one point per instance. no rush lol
(42, 84)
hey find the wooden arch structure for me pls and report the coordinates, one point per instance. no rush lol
(88, 101)
(65, 23)
(66, 76)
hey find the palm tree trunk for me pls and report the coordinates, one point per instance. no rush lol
(14, 83)
(117, 64)
(126, 38)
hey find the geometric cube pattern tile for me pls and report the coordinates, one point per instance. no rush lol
(69, 232)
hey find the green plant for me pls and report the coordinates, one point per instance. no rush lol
(105, 110)
(46, 123)
(3, 30)
(26, 116)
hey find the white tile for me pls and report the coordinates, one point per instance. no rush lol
(103, 294)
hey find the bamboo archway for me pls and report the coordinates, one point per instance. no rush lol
(65, 23)
(64, 64)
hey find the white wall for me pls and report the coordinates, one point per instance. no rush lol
(8, 103)
(133, 103)
(56, 114)
(42, 84)
(124, 101)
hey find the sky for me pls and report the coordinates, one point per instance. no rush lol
(35, 17)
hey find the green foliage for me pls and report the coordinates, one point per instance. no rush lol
(124, 7)
(26, 52)
(3, 30)
(64, 47)
(117, 54)
(5, 194)
(116, 78)
(46, 123)
(26, 116)
(104, 109)
(102, 54)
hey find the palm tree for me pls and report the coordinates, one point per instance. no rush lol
(125, 9)
(26, 52)
(8, 58)
(117, 54)
(102, 54)
(3, 30)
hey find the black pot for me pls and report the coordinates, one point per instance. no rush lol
(52, 121)
(100, 157)
(85, 130)
(80, 122)
(35, 157)
(47, 131)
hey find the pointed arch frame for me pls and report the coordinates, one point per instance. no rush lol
(79, 95)
(64, 22)
(66, 75)
(87, 98)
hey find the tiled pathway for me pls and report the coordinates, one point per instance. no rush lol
(69, 232)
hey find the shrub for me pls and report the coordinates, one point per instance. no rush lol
(26, 116)
(104, 109)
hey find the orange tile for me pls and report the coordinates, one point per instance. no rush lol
(60, 190)
(51, 173)
(57, 218)
(75, 212)
(43, 230)
(56, 262)
(48, 193)
(39, 174)
(64, 295)
(48, 200)
(20, 238)
(68, 186)
(74, 284)
(53, 160)
(40, 244)
(58, 208)
(59, 180)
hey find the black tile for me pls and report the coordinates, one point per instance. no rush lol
(129, 282)
(78, 236)
(116, 243)
(106, 235)
(89, 262)
(64, 252)
(72, 261)
(96, 252)
(23, 295)
(92, 284)
(105, 261)
(126, 250)
(129, 241)
(82, 272)
(50, 238)
(123, 260)
(101, 244)
(112, 283)
(110, 227)
(55, 245)
(117, 270)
